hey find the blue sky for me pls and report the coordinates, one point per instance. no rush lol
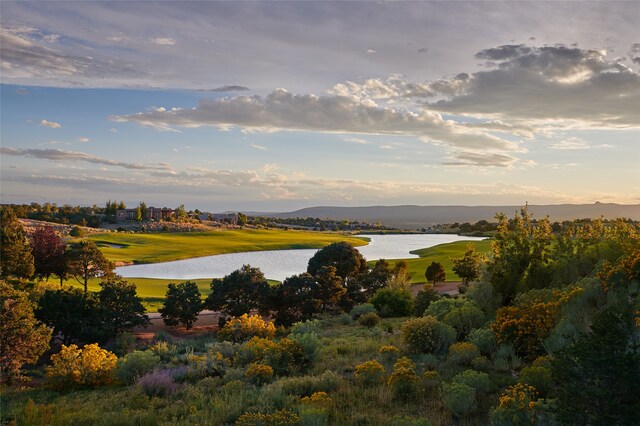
(278, 106)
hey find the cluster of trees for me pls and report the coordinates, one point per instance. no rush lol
(316, 224)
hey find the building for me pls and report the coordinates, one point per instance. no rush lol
(154, 213)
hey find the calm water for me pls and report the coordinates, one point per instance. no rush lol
(279, 264)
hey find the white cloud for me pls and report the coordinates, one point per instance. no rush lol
(570, 144)
(163, 41)
(260, 147)
(59, 155)
(83, 139)
(358, 141)
(52, 124)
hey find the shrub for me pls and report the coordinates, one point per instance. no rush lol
(424, 298)
(305, 327)
(164, 350)
(484, 339)
(442, 307)
(501, 364)
(74, 367)
(258, 374)
(369, 373)
(318, 399)
(286, 355)
(362, 309)
(463, 352)
(404, 380)
(538, 377)
(465, 318)
(393, 302)
(158, 383)
(245, 327)
(136, 364)
(479, 381)
(516, 406)
(431, 380)
(459, 398)
(427, 334)
(370, 319)
(480, 363)
(310, 345)
(254, 350)
(388, 354)
(279, 418)
(307, 385)
(409, 421)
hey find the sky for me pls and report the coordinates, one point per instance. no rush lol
(276, 106)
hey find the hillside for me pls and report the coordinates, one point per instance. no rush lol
(410, 216)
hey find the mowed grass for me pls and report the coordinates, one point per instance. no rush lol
(442, 253)
(152, 248)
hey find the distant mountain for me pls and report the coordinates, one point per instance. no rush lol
(411, 217)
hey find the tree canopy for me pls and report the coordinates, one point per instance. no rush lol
(182, 304)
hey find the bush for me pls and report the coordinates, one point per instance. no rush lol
(480, 363)
(459, 398)
(245, 327)
(479, 381)
(73, 367)
(424, 298)
(369, 373)
(370, 319)
(318, 400)
(158, 383)
(279, 418)
(393, 302)
(136, 364)
(538, 377)
(305, 327)
(310, 345)
(431, 379)
(465, 318)
(516, 407)
(164, 350)
(362, 309)
(427, 334)
(463, 352)
(442, 307)
(484, 339)
(404, 380)
(258, 374)
(307, 385)
(286, 355)
(388, 355)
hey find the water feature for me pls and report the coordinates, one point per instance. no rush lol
(279, 264)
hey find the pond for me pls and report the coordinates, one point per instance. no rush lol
(279, 264)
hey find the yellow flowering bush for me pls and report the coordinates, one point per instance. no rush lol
(245, 327)
(463, 352)
(258, 374)
(318, 399)
(74, 367)
(389, 354)
(516, 406)
(530, 321)
(279, 418)
(404, 380)
(427, 334)
(370, 372)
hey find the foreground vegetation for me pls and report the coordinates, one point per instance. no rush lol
(152, 248)
(548, 334)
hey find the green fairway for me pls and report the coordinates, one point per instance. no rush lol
(442, 253)
(152, 248)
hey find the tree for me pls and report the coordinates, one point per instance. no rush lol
(330, 288)
(239, 292)
(22, 337)
(15, 255)
(144, 210)
(182, 304)
(346, 259)
(435, 272)
(598, 375)
(73, 315)
(48, 249)
(180, 212)
(87, 261)
(296, 299)
(120, 306)
(469, 266)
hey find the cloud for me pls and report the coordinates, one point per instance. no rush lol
(256, 146)
(232, 88)
(423, 50)
(72, 156)
(371, 52)
(481, 159)
(83, 139)
(281, 110)
(163, 41)
(52, 124)
(359, 141)
(570, 144)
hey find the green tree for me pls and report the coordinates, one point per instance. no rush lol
(73, 315)
(144, 210)
(242, 219)
(598, 375)
(22, 337)
(182, 304)
(330, 288)
(180, 213)
(296, 299)
(239, 292)
(15, 254)
(120, 306)
(435, 273)
(87, 261)
(48, 249)
(346, 259)
(469, 266)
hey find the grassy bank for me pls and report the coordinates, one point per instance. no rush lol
(442, 253)
(152, 248)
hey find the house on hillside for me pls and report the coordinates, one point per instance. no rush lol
(231, 218)
(154, 213)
